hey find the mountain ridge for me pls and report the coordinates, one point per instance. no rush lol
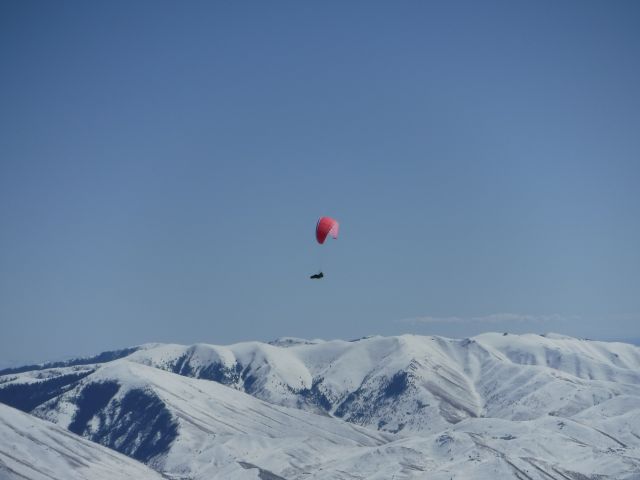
(530, 406)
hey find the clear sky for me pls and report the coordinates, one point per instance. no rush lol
(163, 164)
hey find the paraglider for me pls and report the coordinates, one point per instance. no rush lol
(326, 226)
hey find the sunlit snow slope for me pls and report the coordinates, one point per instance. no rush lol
(33, 449)
(492, 406)
(417, 383)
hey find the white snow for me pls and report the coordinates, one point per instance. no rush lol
(33, 449)
(492, 406)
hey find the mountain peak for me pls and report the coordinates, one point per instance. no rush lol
(293, 341)
(296, 408)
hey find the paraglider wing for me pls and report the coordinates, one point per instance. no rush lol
(326, 226)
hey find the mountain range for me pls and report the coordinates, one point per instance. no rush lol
(497, 405)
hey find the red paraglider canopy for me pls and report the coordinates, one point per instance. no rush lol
(326, 226)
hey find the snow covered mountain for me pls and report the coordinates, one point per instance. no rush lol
(416, 383)
(194, 428)
(34, 449)
(496, 405)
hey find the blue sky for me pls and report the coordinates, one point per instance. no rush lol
(163, 164)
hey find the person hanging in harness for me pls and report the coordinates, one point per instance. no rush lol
(317, 276)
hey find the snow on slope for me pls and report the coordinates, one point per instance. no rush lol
(366, 382)
(416, 383)
(211, 429)
(493, 406)
(222, 433)
(36, 450)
